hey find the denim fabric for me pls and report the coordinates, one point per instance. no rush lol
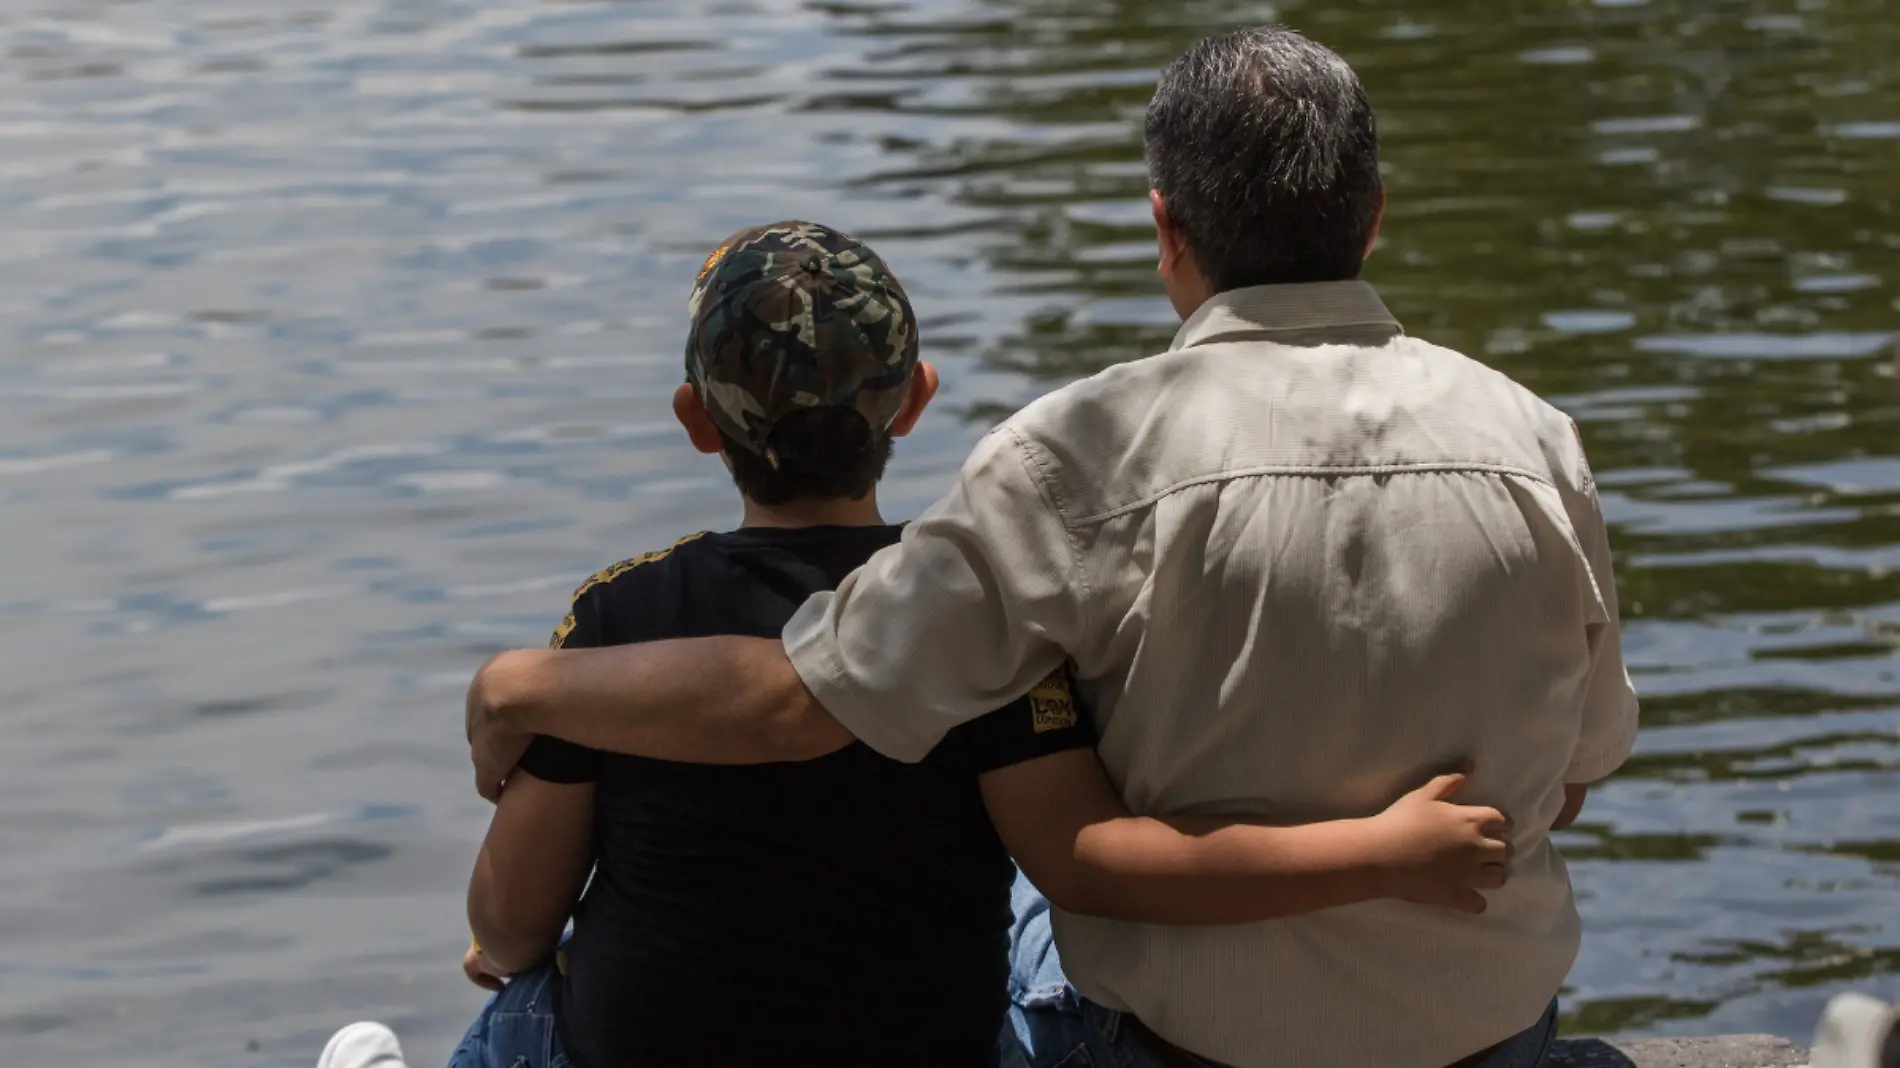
(1531, 1049)
(518, 1028)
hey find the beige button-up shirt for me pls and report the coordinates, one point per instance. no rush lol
(1301, 561)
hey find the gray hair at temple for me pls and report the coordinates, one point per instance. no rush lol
(1266, 150)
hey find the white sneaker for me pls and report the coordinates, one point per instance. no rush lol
(1857, 1032)
(362, 1045)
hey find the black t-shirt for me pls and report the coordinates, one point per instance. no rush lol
(846, 911)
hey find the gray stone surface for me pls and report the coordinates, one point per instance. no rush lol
(1727, 1051)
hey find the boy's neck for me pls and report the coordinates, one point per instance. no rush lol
(818, 512)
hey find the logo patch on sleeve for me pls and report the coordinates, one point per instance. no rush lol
(1051, 704)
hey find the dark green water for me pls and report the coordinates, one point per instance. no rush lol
(335, 342)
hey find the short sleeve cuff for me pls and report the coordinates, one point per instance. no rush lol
(811, 643)
(553, 760)
(1602, 759)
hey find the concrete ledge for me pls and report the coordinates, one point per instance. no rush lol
(1728, 1051)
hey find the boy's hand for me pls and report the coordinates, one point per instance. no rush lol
(1440, 853)
(479, 971)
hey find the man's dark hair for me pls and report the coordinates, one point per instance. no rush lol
(1266, 150)
(826, 453)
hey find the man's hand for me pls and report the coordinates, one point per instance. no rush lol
(479, 971)
(494, 744)
(1439, 853)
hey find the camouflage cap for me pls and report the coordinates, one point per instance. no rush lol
(792, 316)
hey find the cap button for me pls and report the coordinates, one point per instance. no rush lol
(814, 264)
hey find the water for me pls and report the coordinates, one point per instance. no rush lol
(337, 339)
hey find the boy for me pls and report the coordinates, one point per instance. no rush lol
(851, 910)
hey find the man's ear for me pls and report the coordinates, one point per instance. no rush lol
(923, 387)
(692, 414)
(1378, 220)
(1168, 234)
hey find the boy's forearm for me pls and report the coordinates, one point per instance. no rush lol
(1209, 872)
(509, 946)
(1071, 833)
(531, 870)
(721, 700)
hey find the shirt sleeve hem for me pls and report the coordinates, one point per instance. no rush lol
(1603, 761)
(814, 654)
(560, 763)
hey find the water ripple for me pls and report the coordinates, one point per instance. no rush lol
(338, 348)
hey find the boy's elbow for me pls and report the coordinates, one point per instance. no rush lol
(509, 943)
(513, 958)
(1077, 899)
(513, 948)
(1065, 885)
(1096, 899)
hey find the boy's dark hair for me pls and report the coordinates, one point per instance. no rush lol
(1266, 150)
(828, 453)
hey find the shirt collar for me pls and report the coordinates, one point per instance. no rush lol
(1310, 307)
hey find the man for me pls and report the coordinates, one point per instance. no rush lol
(1296, 561)
(779, 888)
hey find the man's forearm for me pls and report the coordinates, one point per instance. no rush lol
(1208, 872)
(721, 700)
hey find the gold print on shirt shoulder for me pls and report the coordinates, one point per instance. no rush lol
(1052, 704)
(608, 575)
(561, 632)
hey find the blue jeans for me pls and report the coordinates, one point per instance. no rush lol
(1050, 1025)
(517, 1029)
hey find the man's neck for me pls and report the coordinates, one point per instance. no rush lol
(827, 512)
(1188, 299)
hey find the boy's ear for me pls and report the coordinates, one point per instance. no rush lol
(923, 386)
(692, 414)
